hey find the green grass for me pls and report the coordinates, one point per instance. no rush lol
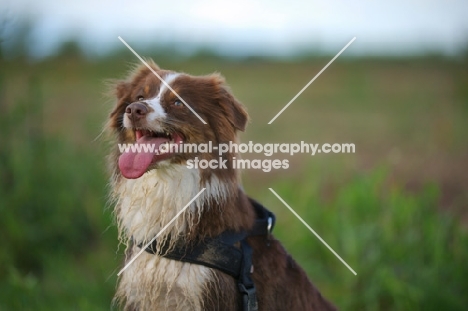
(395, 211)
(56, 253)
(401, 247)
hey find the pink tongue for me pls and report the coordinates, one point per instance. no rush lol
(134, 164)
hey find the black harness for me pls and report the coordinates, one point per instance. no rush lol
(221, 254)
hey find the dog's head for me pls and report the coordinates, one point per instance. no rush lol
(154, 113)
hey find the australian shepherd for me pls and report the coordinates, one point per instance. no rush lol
(150, 189)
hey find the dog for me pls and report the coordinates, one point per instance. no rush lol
(150, 189)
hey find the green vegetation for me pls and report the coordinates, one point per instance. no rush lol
(56, 252)
(395, 211)
(407, 255)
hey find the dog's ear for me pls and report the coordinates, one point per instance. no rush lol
(234, 110)
(119, 90)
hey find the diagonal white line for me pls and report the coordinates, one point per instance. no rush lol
(313, 79)
(159, 233)
(157, 75)
(312, 230)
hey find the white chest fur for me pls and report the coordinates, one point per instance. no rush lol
(143, 207)
(157, 283)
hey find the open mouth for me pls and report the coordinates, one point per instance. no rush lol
(139, 133)
(150, 147)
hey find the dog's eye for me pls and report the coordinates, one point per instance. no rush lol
(140, 98)
(178, 103)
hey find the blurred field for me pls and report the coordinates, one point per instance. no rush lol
(395, 211)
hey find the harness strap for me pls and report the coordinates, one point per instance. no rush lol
(264, 222)
(221, 254)
(245, 283)
(215, 253)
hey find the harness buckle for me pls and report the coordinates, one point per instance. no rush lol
(249, 297)
(269, 229)
(270, 224)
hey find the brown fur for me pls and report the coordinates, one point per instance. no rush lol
(281, 284)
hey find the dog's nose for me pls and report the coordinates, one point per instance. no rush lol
(136, 110)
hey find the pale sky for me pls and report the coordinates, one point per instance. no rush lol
(243, 27)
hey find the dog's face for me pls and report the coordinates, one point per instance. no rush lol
(148, 112)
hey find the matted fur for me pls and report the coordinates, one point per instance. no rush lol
(156, 283)
(146, 205)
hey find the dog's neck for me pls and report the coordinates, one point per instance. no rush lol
(147, 204)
